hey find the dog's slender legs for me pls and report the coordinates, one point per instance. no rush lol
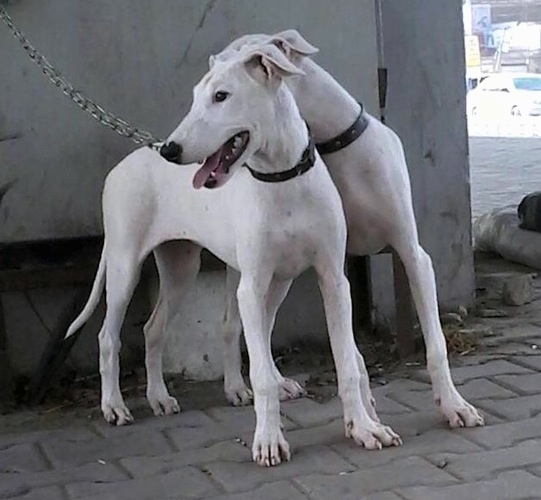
(269, 446)
(420, 271)
(178, 264)
(235, 388)
(123, 273)
(337, 302)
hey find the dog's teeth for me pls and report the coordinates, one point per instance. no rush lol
(238, 142)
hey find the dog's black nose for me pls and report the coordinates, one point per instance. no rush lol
(171, 151)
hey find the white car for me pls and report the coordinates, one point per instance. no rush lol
(506, 94)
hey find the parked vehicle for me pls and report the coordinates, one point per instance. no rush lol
(506, 94)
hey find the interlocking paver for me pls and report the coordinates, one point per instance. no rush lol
(47, 493)
(515, 409)
(533, 362)
(423, 445)
(241, 477)
(189, 419)
(199, 454)
(241, 419)
(402, 473)
(144, 442)
(14, 484)
(229, 451)
(474, 389)
(504, 435)
(333, 432)
(280, 490)
(525, 384)
(19, 458)
(386, 495)
(307, 413)
(465, 373)
(70, 434)
(185, 483)
(486, 464)
(508, 485)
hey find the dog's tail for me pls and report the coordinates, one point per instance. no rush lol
(93, 300)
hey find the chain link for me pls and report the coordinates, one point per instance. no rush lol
(110, 120)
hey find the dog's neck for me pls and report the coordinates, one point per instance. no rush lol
(325, 105)
(285, 136)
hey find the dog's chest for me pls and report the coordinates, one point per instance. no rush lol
(293, 248)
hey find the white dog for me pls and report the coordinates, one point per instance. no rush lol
(372, 178)
(278, 215)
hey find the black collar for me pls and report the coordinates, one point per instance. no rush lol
(306, 162)
(346, 137)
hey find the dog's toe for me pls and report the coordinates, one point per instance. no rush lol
(372, 435)
(117, 415)
(270, 451)
(462, 414)
(291, 389)
(165, 406)
(239, 396)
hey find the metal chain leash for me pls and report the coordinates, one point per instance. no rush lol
(110, 120)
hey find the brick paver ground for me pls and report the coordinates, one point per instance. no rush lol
(206, 454)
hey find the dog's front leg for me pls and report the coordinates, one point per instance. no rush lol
(269, 446)
(359, 425)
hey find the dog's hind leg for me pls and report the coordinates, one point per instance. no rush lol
(178, 264)
(236, 390)
(418, 265)
(289, 388)
(338, 311)
(122, 274)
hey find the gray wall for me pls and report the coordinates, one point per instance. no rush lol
(139, 60)
(424, 53)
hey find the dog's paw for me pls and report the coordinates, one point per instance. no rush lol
(167, 405)
(290, 389)
(270, 449)
(239, 394)
(371, 434)
(117, 414)
(459, 413)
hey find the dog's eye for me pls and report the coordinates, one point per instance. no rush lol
(221, 96)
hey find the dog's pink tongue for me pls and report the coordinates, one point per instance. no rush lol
(203, 174)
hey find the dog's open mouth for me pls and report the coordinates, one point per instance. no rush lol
(217, 166)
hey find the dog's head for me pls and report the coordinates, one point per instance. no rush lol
(234, 107)
(290, 42)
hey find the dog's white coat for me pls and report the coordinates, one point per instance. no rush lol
(268, 232)
(372, 178)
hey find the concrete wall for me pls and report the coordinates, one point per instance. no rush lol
(424, 54)
(139, 60)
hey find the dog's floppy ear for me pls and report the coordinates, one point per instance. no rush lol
(292, 41)
(267, 63)
(212, 60)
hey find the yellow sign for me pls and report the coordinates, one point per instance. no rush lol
(473, 52)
